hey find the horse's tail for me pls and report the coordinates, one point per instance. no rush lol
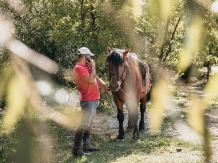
(147, 78)
(149, 93)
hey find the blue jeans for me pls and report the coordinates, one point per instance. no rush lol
(88, 109)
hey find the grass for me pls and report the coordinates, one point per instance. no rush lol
(111, 151)
(162, 147)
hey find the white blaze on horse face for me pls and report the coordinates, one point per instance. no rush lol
(119, 84)
(116, 76)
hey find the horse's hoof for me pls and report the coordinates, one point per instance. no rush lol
(143, 130)
(138, 141)
(120, 140)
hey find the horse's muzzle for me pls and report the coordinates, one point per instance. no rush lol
(115, 87)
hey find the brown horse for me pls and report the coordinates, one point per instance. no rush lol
(130, 86)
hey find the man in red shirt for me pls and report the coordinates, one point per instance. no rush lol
(88, 84)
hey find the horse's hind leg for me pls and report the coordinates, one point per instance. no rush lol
(120, 117)
(142, 110)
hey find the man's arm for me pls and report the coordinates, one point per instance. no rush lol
(102, 84)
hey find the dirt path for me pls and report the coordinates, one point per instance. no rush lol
(105, 125)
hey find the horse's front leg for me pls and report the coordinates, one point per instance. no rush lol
(133, 114)
(119, 101)
(120, 117)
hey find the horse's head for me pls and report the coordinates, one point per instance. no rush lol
(116, 66)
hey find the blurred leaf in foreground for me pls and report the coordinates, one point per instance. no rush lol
(160, 97)
(16, 101)
(191, 45)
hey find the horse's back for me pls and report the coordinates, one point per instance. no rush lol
(144, 68)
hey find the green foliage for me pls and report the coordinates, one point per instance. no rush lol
(58, 28)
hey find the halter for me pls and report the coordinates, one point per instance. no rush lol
(120, 77)
(116, 57)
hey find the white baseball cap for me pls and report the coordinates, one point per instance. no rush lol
(84, 50)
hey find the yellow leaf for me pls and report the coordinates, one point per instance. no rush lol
(154, 7)
(137, 8)
(16, 100)
(166, 8)
(195, 115)
(192, 44)
(211, 89)
(5, 77)
(160, 97)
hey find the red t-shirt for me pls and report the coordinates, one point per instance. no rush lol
(89, 91)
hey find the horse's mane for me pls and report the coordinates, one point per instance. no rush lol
(116, 58)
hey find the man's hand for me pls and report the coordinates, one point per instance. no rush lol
(107, 89)
(91, 63)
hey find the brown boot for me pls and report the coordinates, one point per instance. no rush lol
(87, 147)
(77, 151)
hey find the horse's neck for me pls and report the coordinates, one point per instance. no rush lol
(130, 78)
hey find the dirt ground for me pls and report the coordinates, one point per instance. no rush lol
(105, 125)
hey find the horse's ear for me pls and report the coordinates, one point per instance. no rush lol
(108, 49)
(125, 53)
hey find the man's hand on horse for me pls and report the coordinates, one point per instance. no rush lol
(107, 89)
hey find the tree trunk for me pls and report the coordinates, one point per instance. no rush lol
(172, 37)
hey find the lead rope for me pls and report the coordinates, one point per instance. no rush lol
(125, 93)
(112, 99)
